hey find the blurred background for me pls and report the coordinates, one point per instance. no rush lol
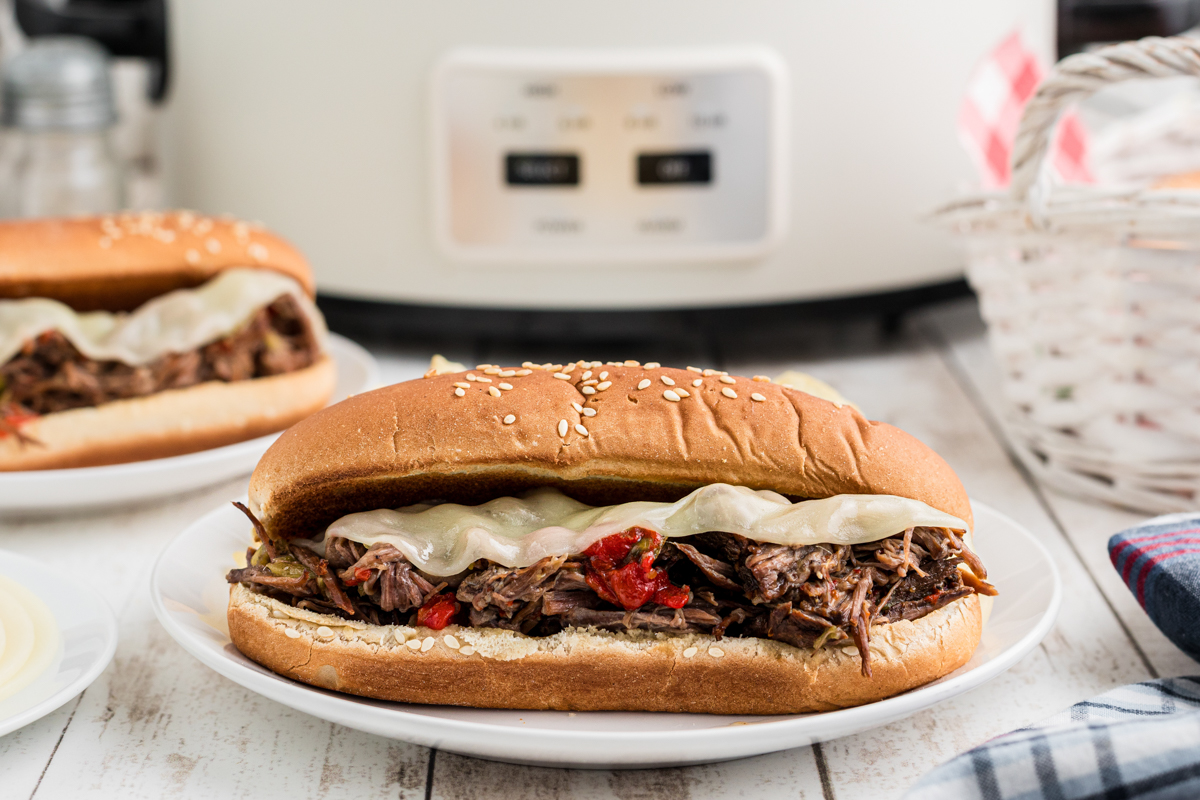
(621, 172)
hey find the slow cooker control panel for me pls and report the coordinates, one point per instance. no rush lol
(609, 156)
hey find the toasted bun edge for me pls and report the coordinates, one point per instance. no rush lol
(419, 440)
(118, 262)
(590, 670)
(170, 423)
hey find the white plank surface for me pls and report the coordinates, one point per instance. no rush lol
(158, 724)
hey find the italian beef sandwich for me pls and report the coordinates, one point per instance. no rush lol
(141, 336)
(612, 536)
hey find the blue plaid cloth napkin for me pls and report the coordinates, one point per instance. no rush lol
(1159, 561)
(1138, 742)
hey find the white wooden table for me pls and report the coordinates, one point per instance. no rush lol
(159, 724)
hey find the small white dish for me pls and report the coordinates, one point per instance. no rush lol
(63, 489)
(88, 634)
(190, 596)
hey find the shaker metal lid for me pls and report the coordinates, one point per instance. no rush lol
(58, 82)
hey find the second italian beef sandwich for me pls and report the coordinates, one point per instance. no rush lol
(140, 336)
(597, 536)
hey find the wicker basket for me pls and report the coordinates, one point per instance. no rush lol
(1092, 301)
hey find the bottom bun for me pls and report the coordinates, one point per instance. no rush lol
(170, 423)
(583, 669)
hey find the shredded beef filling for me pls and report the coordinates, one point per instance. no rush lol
(49, 374)
(805, 596)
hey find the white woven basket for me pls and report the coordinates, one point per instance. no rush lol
(1092, 301)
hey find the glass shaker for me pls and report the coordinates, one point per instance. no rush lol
(57, 157)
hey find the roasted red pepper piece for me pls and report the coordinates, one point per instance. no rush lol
(620, 569)
(438, 611)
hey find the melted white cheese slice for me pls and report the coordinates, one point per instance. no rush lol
(176, 322)
(517, 532)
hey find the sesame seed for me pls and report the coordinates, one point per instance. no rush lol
(600, 387)
(569, 368)
(508, 373)
(629, 363)
(463, 385)
(493, 391)
(505, 386)
(603, 376)
(468, 651)
(459, 392)
(578, 408)
(761, 379)
(291, 633)
(492, 371)
(698, 382)
(643, 383)
(708, 373)
(592, 382)
(413, 644)
(691, 651)
(324, 632)
(213, 246)
(730, 393)
(670, 395)
(586, 375)
(471, 376)
(666, 380)
(757, 397)
(682, 392)
(510, 419)
(562, 376)
(589, 412)
(451, 641)
(695, 369)
(258, 252)
(727, 379)
(582, 431)
(716, 652)
(528, 364)
(192, 257)
(521, 373)
(429, 642)
(562, 427)
(652, 365)
(483, 380)
(431, 374)
(588, 390)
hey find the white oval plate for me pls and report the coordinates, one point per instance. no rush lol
(190, 597)
(62, 489)
(88, 639)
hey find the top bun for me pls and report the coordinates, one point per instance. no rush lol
(118, 262)
(419, 441)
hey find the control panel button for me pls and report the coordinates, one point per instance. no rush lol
(655, 169)
(541, 169)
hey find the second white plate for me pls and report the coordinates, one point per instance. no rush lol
(189, 595)
(63, 489)
(88, 639)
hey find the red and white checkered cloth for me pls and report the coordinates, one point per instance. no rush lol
(991, 111)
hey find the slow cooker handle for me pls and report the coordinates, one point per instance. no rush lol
(1078, 77)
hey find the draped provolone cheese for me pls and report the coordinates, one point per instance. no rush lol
(176, 322)
(516, 532)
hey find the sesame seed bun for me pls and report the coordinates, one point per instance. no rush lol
(169, 423)
(420, 440)
(581, 669)
(116, 263)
